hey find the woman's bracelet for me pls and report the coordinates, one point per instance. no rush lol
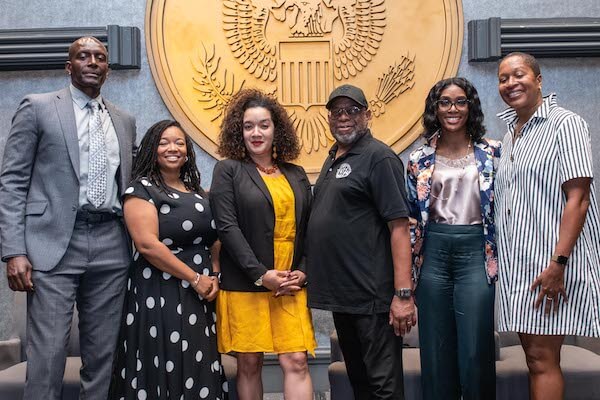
(196, 280)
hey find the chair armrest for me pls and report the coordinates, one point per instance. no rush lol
(588, 343)
(336, 351)
(10, 353)
(497, 345)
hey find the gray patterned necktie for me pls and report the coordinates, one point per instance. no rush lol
(96, 189)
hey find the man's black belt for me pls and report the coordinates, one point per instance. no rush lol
(95, 217)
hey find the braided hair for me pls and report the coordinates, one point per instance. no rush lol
(146, 164)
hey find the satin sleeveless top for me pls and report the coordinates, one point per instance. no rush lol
(455, 198)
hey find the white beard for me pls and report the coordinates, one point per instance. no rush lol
(350, 138)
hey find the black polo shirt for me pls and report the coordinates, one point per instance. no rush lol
(349, 261)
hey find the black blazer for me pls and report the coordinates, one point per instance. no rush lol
(245, 219)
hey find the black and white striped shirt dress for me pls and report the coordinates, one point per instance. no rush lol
(553, 147)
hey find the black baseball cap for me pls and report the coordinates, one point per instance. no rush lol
(349, 91)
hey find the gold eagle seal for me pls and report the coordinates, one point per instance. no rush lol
(201, 52)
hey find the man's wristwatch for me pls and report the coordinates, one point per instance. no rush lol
(403, 293)
(562, 260)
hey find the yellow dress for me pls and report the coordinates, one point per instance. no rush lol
(249, 322)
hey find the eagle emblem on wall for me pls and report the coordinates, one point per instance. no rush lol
(362, 23)
(304, 48)
(202, 52)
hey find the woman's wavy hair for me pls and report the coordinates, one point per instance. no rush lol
(231, 137)
(475, 127)
(146, 161)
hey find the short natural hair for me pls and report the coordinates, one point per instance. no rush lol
(231, 137)
(146, 164)
(528, 59)
(475, 127)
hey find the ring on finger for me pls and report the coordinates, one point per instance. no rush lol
(550, 298)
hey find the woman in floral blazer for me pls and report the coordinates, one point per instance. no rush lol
(451, 191)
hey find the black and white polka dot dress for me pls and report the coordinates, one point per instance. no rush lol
(167, 347)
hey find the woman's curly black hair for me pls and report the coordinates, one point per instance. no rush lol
(475, 127)
(146, 164)
(231, 138)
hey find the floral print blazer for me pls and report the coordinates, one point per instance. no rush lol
(420, 167)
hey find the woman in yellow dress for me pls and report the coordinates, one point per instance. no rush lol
(261, 205)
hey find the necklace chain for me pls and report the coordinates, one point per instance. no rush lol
(469, 144)
(267, 170)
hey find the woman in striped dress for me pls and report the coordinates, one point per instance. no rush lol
(547, 223)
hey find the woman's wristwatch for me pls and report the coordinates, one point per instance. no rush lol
(562, 260)
(216, 275)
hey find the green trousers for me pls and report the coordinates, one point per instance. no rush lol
(456, 315)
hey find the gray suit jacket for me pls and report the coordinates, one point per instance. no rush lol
(39, 182)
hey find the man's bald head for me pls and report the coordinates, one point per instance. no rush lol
(74, 47)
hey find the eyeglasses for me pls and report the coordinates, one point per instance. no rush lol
(349, 111)
(445, 104)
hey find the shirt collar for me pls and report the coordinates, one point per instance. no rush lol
(82, 99)
(356, 148)
(548, 102)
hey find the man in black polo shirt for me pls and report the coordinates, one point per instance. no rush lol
(359, 250)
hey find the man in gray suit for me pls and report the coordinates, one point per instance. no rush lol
(66, 162)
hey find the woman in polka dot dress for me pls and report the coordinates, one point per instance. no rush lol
(167, 347)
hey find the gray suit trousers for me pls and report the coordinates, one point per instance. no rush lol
(92, 274)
